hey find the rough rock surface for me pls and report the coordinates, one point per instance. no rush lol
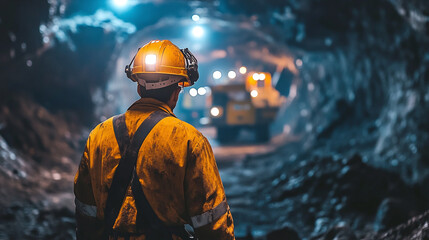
(315, 195)
(417, 228)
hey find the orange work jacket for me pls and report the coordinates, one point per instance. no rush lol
(179, 178)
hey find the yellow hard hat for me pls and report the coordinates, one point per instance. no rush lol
(160, 63)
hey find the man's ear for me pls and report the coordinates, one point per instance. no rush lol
(175, 94)
(140, 90)
(174, 98)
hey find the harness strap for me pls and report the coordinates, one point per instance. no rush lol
(121, 133)
(123, 174)
(147, 221)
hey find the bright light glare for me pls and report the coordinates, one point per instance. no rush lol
(193, 92)
(243, 70)
(256, 76)
(214, 111)
(262, 76)
(232, 74)
(120, 3)
(208, 91)
(204, 120)
(217, 74)
(202, 91)
(195, 18)
(310, 87)
(150, 59)
(254, 93)
(197, 31)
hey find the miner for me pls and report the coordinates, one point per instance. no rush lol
(145, 174)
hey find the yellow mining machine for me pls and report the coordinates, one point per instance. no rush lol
(247, 103)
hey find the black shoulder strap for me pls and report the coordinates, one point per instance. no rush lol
(121, 133)
(124, 171)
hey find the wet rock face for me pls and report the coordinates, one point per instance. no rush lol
(37, 132)
(337, 233)
(284, 233)
(391, 213)
(28, 222)
(415, 228)
(320, 197)
(369, 73)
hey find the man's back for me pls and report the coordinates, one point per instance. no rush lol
(176, 169)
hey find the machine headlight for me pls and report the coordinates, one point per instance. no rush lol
(216, 111)
(193, 92)
(255, 76)
(217, 74)
(254, 93)
(243, 70)
(232, 74)
(202, 91)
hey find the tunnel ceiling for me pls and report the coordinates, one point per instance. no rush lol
(274, 25)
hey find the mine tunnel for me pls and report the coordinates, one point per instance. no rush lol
(317, 112)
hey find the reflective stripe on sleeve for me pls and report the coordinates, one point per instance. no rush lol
(211, 215)
(88, 210)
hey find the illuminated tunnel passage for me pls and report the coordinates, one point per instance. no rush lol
(316, 110)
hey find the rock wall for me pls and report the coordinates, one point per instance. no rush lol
(365, 85)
